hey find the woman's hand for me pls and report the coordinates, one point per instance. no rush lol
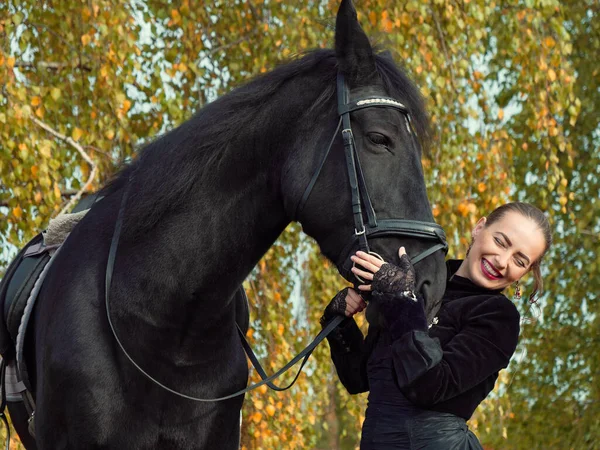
(369, 266)
(354, 303)
(393, 287)
(386, 277)
(347, 302)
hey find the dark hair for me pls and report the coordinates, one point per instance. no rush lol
(535, 214)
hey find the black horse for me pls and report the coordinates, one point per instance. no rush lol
(206, 201)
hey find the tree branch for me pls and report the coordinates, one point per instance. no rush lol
(590, 233)
(75, 198)
(66, 193)
(51, 65)
(443, 42)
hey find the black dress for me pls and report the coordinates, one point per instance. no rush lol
(424, 384)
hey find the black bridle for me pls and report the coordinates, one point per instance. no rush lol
(374, 228)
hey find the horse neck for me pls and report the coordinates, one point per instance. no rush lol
(235, 210)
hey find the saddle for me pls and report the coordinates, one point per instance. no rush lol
(18, 291)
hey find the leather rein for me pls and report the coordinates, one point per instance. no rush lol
(374, 228)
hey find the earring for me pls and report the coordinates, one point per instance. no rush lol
(517, 291)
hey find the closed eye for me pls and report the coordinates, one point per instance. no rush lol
(520, 263)
(499, 242)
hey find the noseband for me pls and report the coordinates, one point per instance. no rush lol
(358, 188)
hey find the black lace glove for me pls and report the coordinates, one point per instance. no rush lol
(336, 307)
(393, 279)
(393, 292)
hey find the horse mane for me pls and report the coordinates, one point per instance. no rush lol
(191, 151)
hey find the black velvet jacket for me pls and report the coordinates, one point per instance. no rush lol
(450, 368)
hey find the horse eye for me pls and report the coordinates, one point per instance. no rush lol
(378, 139)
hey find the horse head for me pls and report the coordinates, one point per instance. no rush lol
(383, 110)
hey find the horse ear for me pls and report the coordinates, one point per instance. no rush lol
(352, 48)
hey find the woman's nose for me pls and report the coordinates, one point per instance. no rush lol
(501, 261)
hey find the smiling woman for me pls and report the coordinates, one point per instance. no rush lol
(506, 245)
(425, 380)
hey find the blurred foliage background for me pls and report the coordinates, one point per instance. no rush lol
(512, 88)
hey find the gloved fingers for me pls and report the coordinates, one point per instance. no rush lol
(354, 303)
(337, 305)
(405, 263)
(391, 278)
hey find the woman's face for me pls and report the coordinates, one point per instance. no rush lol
(502, 252)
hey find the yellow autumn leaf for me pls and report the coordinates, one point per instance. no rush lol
(85, 39)
(35, 101)
(373, 18)
(86, 14)
(270, 409)
(57, 193)
(46, 149)
(55, 93)
(77, 133)
(388, 25)
(463, 209)
(17, 212)
(551, 75)
(500, 114)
